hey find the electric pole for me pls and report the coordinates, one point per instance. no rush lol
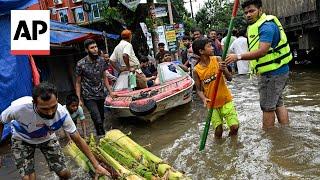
(191, 9)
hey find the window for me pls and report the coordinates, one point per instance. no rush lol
(63, 14)
(95, 11)
(78, 14)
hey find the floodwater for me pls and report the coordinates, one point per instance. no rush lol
(291, 152)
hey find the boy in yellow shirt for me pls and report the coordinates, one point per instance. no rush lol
(205, 73)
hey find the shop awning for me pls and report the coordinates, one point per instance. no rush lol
(61, 33)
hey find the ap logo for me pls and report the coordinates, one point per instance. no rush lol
(30, 32)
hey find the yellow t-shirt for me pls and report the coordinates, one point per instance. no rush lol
(207, 75)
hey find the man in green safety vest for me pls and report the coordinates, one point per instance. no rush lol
(270, 54)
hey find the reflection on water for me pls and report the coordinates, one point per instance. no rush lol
(291, 152)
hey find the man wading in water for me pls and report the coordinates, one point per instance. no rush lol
(33, 126)
(270, 54)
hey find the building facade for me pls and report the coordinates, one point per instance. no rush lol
(81, 12)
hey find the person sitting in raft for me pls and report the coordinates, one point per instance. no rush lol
(147, 70)
(168, 58)
(76, 112)
(205, 73)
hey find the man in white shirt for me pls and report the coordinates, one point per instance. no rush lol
(232, 38)
(123, 54)
(33, 125)
(240, 46)
(123, 58)
(231, 67)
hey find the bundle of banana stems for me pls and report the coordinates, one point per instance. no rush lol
(104, 157)
(124, 159)
(134, 156)
(81, 159)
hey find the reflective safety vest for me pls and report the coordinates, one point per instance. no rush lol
(276, 57)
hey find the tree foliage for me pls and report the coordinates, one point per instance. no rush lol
(180, 14)
(123, 15)
(183, 15)
(117, 13)
(216, 14)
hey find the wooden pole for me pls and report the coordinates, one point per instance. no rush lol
(171, 22)
(170, 12)
(155, 37)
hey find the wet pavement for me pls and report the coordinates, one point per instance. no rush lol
(281, 153)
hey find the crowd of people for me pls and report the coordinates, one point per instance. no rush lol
(35, 120)
(238, 44)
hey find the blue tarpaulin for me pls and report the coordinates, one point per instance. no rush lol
(7, 5)
(15, 71)
(65, 33)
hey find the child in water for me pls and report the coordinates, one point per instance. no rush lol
(76, 112)
(205, 73)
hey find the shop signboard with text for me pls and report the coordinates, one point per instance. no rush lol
(171, 38)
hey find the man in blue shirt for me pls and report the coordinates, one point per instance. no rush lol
(271, 52)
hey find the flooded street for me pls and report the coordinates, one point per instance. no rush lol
(292, 152)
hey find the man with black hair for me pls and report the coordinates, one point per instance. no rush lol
(148, 70)
(197, 34)
(33, 123)
(205, 73)
(186, 40)
(168, 57)
(160, 54)
(90, 82)
(270, 54)
(193, 58)
(217, 48)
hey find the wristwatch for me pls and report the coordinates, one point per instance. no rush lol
(239, 57)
